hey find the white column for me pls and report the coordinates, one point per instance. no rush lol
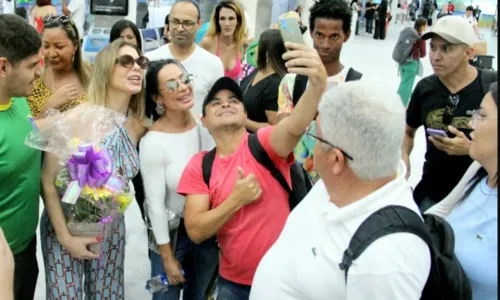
(132, 11)
(305, 20)
(251, 10)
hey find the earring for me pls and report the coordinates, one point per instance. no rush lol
(160, 109)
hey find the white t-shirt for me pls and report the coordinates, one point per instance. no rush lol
(472, 20)
(303, 264)
(77, 9)
(163, 158)
(205, 67)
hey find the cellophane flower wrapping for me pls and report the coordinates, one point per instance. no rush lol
(88, 181)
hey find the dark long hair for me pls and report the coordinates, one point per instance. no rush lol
(81, 68)
(120, 26)
(481, 173)
(153, 85)
(270, 52)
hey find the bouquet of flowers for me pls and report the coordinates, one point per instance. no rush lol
(88, 182)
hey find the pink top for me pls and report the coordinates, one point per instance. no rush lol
(235, 72)
(254, 228)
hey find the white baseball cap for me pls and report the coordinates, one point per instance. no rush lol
(453, 29)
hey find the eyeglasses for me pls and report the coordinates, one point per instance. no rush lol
(127, 61)
(450, 110)
(173, 84)
(63, 19)
(186, 24)
(476, 116)
(330, 144)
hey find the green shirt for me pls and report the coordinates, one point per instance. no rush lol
(19, 176)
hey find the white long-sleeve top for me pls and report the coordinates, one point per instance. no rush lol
(163, 158)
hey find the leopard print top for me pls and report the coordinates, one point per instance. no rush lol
(41, 93)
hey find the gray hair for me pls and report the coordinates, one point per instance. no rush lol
(367, 122)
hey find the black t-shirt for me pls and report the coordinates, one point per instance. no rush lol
(369, 13)
(261, 96)
(441, 172)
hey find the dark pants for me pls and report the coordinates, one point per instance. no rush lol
(369, 25)
(25, 272)
(139, 190)
(379, 30)
(228, 290)
(199, 263)
(357, 27)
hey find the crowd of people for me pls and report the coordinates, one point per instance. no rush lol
(218, 154)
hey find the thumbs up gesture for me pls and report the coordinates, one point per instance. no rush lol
(246, 189)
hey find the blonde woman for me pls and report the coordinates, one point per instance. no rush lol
(226, 36)
(66, 78)
(117, 83)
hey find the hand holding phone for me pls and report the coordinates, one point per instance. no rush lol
(436, 132)
(290, 30)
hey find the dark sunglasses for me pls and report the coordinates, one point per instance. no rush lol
(63, 19)
(128, 61)
(173, 84)
(449, 110)
(330, 144)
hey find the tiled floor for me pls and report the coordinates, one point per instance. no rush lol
(372, 58)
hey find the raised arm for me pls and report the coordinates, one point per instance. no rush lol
(288, 132)
(75, 245)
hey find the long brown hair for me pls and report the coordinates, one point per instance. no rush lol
(240, 32)
(101, 77)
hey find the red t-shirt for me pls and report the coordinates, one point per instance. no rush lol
(255, 227)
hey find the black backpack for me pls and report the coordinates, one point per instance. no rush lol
(301, 184)
(447, 280)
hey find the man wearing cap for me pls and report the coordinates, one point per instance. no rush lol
(242, 203)
(444, 102)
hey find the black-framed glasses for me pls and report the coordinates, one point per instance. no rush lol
(128, 61)
(173, 84)
(63, 19)
(449, 110)
(330, 144)
(187, 24)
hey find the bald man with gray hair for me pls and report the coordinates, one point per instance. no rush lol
(360, 130)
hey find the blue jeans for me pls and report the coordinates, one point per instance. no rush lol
(228, 290)
(199, 263)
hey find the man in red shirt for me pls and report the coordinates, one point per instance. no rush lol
(243, 204)
(451, 8)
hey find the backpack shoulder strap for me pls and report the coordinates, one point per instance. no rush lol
(353, 75)
(206, 166)
(387, 220)
(298, 88)
(263, 158)
(487, 78)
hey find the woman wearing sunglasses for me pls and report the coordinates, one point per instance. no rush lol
(471, 208)
(66, 78)
(117, 83)
(166, 149)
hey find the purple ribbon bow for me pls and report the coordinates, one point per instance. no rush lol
(90, 168)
